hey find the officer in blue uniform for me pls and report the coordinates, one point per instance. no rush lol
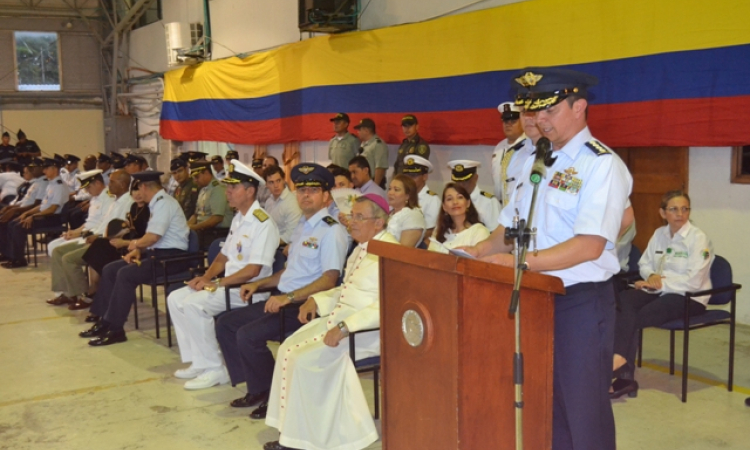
(317, 253)
(166, 235)
(46, 214)
(579, 211)
(6, 149)
(25, 147)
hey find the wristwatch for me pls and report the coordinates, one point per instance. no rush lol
(342, 326)
(290, 297)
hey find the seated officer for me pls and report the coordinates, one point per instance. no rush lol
(47, 214)
(33, 173)
(316, 397)
(418, 169)
(362, 177)
(104, 163)
(186, 192)
(135, 163)
(6, 149)
(166, 235)
(26, 147)
(316, 256)
(247, 255)
(213, 216)
(10, 180)
(464, 172)
(281, 204)
(107, 204)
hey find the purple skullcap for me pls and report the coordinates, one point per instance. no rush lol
(378, 200)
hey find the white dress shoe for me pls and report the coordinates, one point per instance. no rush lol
(209, 378)
(189, 373)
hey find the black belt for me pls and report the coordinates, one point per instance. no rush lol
(582, 287)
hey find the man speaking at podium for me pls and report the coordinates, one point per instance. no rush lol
(580, 204)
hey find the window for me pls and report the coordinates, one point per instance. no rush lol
(37, 61)
(152, 14)
(741, 164)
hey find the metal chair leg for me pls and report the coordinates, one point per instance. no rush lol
(671, 352)
(156, 308)
(33, 247)
(730, 378)
(376, 384)
(135, 309)
(640, 347)
(685, 343)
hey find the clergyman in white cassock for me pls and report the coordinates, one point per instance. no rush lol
(316, 398)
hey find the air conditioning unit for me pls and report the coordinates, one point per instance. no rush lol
(184, 43)
(328, 16)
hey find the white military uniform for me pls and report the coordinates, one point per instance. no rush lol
(683, 260)
(9, 182)
(565, 208)
(316, 398)
(285, 212)
(498, 154)
(487, 206)
(406, 219)
(252, 239)
(467, 238)
(429, 203)
(98, 206)
(625, 243)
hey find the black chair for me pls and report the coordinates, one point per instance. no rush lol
(371, 364)
(723, 292)
(163, 277)
(44, 232)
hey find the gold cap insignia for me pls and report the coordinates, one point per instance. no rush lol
(459, 168)
(306, 169)
(528, 79)
(410, 161)
(231, 168)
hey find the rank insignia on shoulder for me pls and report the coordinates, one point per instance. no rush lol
(422, 149)
(487, 194)
(260, 215)
(378, 140)
(429, 192)
(598, 148)
(330, 220)
(159, 198)
(195, 189)
(215, 183)
(59, 182)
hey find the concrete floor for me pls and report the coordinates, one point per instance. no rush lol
(58, 393)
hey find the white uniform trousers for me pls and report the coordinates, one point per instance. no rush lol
(193, 318)
(316, 398)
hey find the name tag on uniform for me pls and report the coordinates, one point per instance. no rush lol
(566, 181)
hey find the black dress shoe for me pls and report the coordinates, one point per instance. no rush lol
(15, 264)
(92, 318)
(260, 412)
(622, 386)
(275, 446)
(249, 400)
(97, 330)
(109, 338)
(747, 401)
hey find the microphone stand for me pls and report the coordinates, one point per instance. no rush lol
(521, 233)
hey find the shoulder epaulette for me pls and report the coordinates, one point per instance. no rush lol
(429, 192)
(598, 148)
(195, 189)
(487, 194)
(378, 140)
(215, 183)
(330, 220)
(260, 215)
(59, 181)
(159, 198)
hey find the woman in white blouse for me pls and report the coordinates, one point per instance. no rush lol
(407, 222)
(677, 260)
(458, 223)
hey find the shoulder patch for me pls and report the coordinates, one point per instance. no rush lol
(330, 220)
(260, 215)
(422, 149)
(429, 192)
(215, 183)
(598, 148)
(487, 194)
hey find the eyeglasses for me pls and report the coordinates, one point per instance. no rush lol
(674, 209)
(358, 218)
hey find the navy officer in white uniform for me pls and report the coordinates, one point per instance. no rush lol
(247, 255)
(317, 253)
(579, 211)
(166, 235)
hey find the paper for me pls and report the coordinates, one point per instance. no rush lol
(344, 199)
(461, 253)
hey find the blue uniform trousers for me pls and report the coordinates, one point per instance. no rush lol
(116, 293)
(243, 334)
(584, 337)
(18, 235)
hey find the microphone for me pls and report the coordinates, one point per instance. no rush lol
(539, 168)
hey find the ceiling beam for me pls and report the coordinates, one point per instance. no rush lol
(130, 18)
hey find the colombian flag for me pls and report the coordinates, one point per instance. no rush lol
(672, 73)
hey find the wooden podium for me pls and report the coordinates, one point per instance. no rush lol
(455, 390)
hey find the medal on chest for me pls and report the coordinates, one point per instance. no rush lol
(311, 242)
(239, 251)
(566, 181)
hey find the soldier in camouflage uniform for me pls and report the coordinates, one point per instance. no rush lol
(186, 192)
(412, 145)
